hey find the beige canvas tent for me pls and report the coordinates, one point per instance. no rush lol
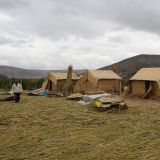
(146, 82)
(56, 81)
(99, 80)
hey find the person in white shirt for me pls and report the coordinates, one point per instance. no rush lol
(17, 90)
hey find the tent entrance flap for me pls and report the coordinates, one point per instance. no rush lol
(147, 85)
(150, 90)
(50, 85)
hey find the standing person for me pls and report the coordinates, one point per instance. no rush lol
(17, 90)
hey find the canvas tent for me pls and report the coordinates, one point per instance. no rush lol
(99, 80)
(146, 82)
(56, 81)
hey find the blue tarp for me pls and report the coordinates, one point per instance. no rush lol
(43, 93)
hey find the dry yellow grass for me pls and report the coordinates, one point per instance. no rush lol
(54, 128)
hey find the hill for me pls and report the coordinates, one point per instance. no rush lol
(126, 68)
(14, 72)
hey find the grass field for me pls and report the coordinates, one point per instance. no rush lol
(41, 128)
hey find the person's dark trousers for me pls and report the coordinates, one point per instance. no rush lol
(17, 97)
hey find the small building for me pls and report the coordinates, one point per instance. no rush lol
(146, 81)
(56, 81)
(99, 80)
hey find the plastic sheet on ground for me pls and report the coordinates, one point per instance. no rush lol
(76, 96)
(38, 92)
(113, 101)
(87, 99)
(54, 94)
(6, 98)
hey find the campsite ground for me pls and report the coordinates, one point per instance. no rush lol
(54, 128)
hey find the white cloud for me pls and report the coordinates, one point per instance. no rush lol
(5, 18)
(88, 34)
(82, 52)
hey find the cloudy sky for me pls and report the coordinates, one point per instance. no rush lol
(51, 34)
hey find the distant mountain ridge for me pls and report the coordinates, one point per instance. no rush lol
(15, 72)
(128, 67)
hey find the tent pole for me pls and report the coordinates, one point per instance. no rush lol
(120, 87)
